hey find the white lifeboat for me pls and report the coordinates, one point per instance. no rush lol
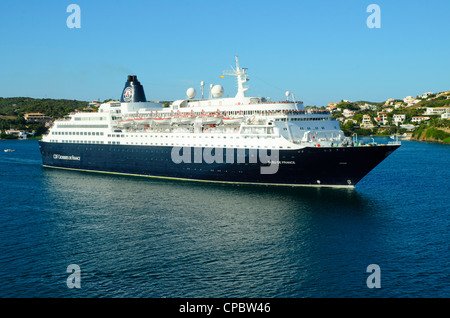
(210, 119)
(183, 119)
(143, 121)
(232, 120)
(162, 120)
(187, 119)
(126, 123)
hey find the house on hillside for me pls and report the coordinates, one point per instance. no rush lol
(368, 107)
(366, 122)
(19, 133)
(409, 100)
(348, 113)
(426, 95)
(398, 105)
(94, 103)
(389, 102)
(37, 118)
(398, 118)
(437, 110)
(331, 107)
(447, 93)
(382, 118)
(418, 119)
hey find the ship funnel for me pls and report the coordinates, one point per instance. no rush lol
(133, 91)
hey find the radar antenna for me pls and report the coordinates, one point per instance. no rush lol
(241, 75)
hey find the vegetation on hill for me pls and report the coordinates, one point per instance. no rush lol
(18, 106)
(13, 109)
(437, 130)
(440, 101)
(433, 128)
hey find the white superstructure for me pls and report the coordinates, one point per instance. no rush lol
(236, 122)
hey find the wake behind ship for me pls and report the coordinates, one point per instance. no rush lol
(240, 139)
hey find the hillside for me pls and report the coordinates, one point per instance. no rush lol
(432, 134)
(17, 106)
(12, 110)
(440, 101)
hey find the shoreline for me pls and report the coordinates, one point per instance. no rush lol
(430, 141)
(28, 138)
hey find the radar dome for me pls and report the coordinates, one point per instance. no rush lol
(217, 91)
(288, 93)
(191, 93)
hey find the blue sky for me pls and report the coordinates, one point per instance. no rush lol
(322, 51)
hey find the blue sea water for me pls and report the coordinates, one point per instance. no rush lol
(141, 237)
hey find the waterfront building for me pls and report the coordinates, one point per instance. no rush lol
(19, 133)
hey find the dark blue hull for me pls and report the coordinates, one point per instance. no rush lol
(335, 166)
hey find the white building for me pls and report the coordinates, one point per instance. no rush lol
(418, 119)
(399, 118)
(94, 103)
(409, 100)
(368, 107)
(331, 107)
(366, 122)
(437, 110)
(382, 118)
(19, 133)
(348, 113)
(398, 105)
(389, 102)
(425, 95)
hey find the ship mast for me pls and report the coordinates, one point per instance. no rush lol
(241, 75)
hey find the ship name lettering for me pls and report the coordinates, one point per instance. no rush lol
(71, 157)
(282, 162)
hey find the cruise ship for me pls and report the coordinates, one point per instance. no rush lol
(239, 140)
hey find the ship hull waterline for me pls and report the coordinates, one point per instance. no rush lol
(341, 167)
